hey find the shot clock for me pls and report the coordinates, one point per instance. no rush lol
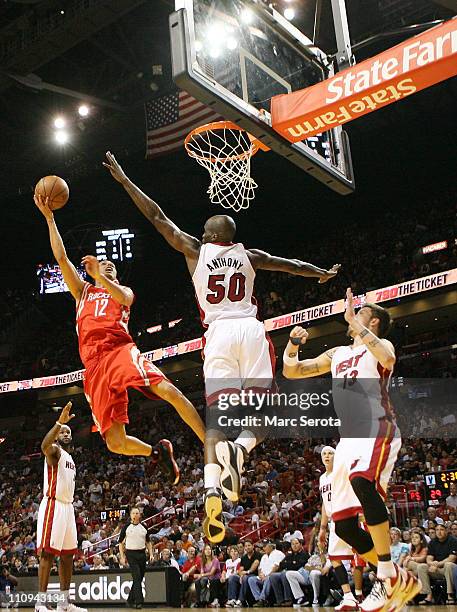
(437, 486)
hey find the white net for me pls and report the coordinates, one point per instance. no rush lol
(226, 153)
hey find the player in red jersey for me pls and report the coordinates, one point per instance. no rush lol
(113, 362)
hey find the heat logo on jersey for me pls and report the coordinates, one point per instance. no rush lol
(352, 362)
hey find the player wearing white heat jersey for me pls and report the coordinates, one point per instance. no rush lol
(238, 354)
(338, 550)
(56, 525)
(362, 465)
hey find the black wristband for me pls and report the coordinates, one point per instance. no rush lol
(295, 341)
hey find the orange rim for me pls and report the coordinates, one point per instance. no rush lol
(222, 125)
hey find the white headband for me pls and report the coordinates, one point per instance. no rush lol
(327, 449)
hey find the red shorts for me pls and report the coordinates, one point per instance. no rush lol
(106, 383)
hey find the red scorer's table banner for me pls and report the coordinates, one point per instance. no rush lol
(414, 64)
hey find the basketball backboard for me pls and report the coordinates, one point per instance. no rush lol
(235, 55)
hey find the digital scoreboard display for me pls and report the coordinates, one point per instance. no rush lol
(116, 514)
(115, 245)
(437, 486)
(51, 280)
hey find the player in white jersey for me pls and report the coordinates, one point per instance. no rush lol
(237, 352)
(56, 525)
(338, 550)
(362, 465)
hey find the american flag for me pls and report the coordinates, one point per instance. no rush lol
(170, 118)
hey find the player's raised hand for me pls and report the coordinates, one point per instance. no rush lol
(329, 274)
(298, 335)
(349, 313)
(43, 205)
(65, 415)
(114, 167)
(92, 266)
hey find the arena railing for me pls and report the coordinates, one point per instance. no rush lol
(113, 537)
(329, 309)
(269, 528)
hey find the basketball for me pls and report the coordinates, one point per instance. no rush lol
(54, 188)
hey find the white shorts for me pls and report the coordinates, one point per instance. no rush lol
(338, 550)
(371, 458)
(238, 354)
(56, 527)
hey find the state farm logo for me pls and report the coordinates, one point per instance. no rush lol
(105, 589)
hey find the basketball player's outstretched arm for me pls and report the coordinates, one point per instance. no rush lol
(307, 368)
(179, 240)
(381, 348)
(123, 295)
(264, 261)
(70, 276)
(49, 448)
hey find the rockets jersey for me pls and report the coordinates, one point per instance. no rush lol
(325, 488)
(59, 480)
(224, 282)
(360, 386)
(101, 323)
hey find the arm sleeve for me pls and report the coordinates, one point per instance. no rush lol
(123, 533)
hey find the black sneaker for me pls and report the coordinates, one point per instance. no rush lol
(231, 457)
(213, 527)
(162, 455)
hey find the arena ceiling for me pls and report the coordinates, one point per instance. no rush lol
(117, 54)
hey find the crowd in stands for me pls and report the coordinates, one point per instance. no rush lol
(276, 518)
(393, 256)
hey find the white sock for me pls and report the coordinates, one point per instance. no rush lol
(247, 440)
(348, 595)
(386, 569)
(358, 592)
(212, 476)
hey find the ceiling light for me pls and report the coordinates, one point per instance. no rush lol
(59, 123)
(83, 110)
(61, 137)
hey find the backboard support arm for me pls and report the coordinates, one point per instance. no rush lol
(344, 55)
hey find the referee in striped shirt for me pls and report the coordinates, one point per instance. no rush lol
(132, 545)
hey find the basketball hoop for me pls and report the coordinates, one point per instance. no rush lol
(225, 150)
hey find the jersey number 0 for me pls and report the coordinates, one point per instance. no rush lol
(236, 288)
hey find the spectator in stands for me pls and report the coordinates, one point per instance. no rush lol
(7, 580)
(451, 499)
(165, 530)
(292, 534)
(208, 577)
(432, 516)
(189, 568)
(260, 585)
(181, 553)
(293, 561)
(417, 551)
(237, 585)
(398, 549)
(231, 569)
(167, 559)
(96, 492)
(316, 566)
(98, 563)
(441, 558)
